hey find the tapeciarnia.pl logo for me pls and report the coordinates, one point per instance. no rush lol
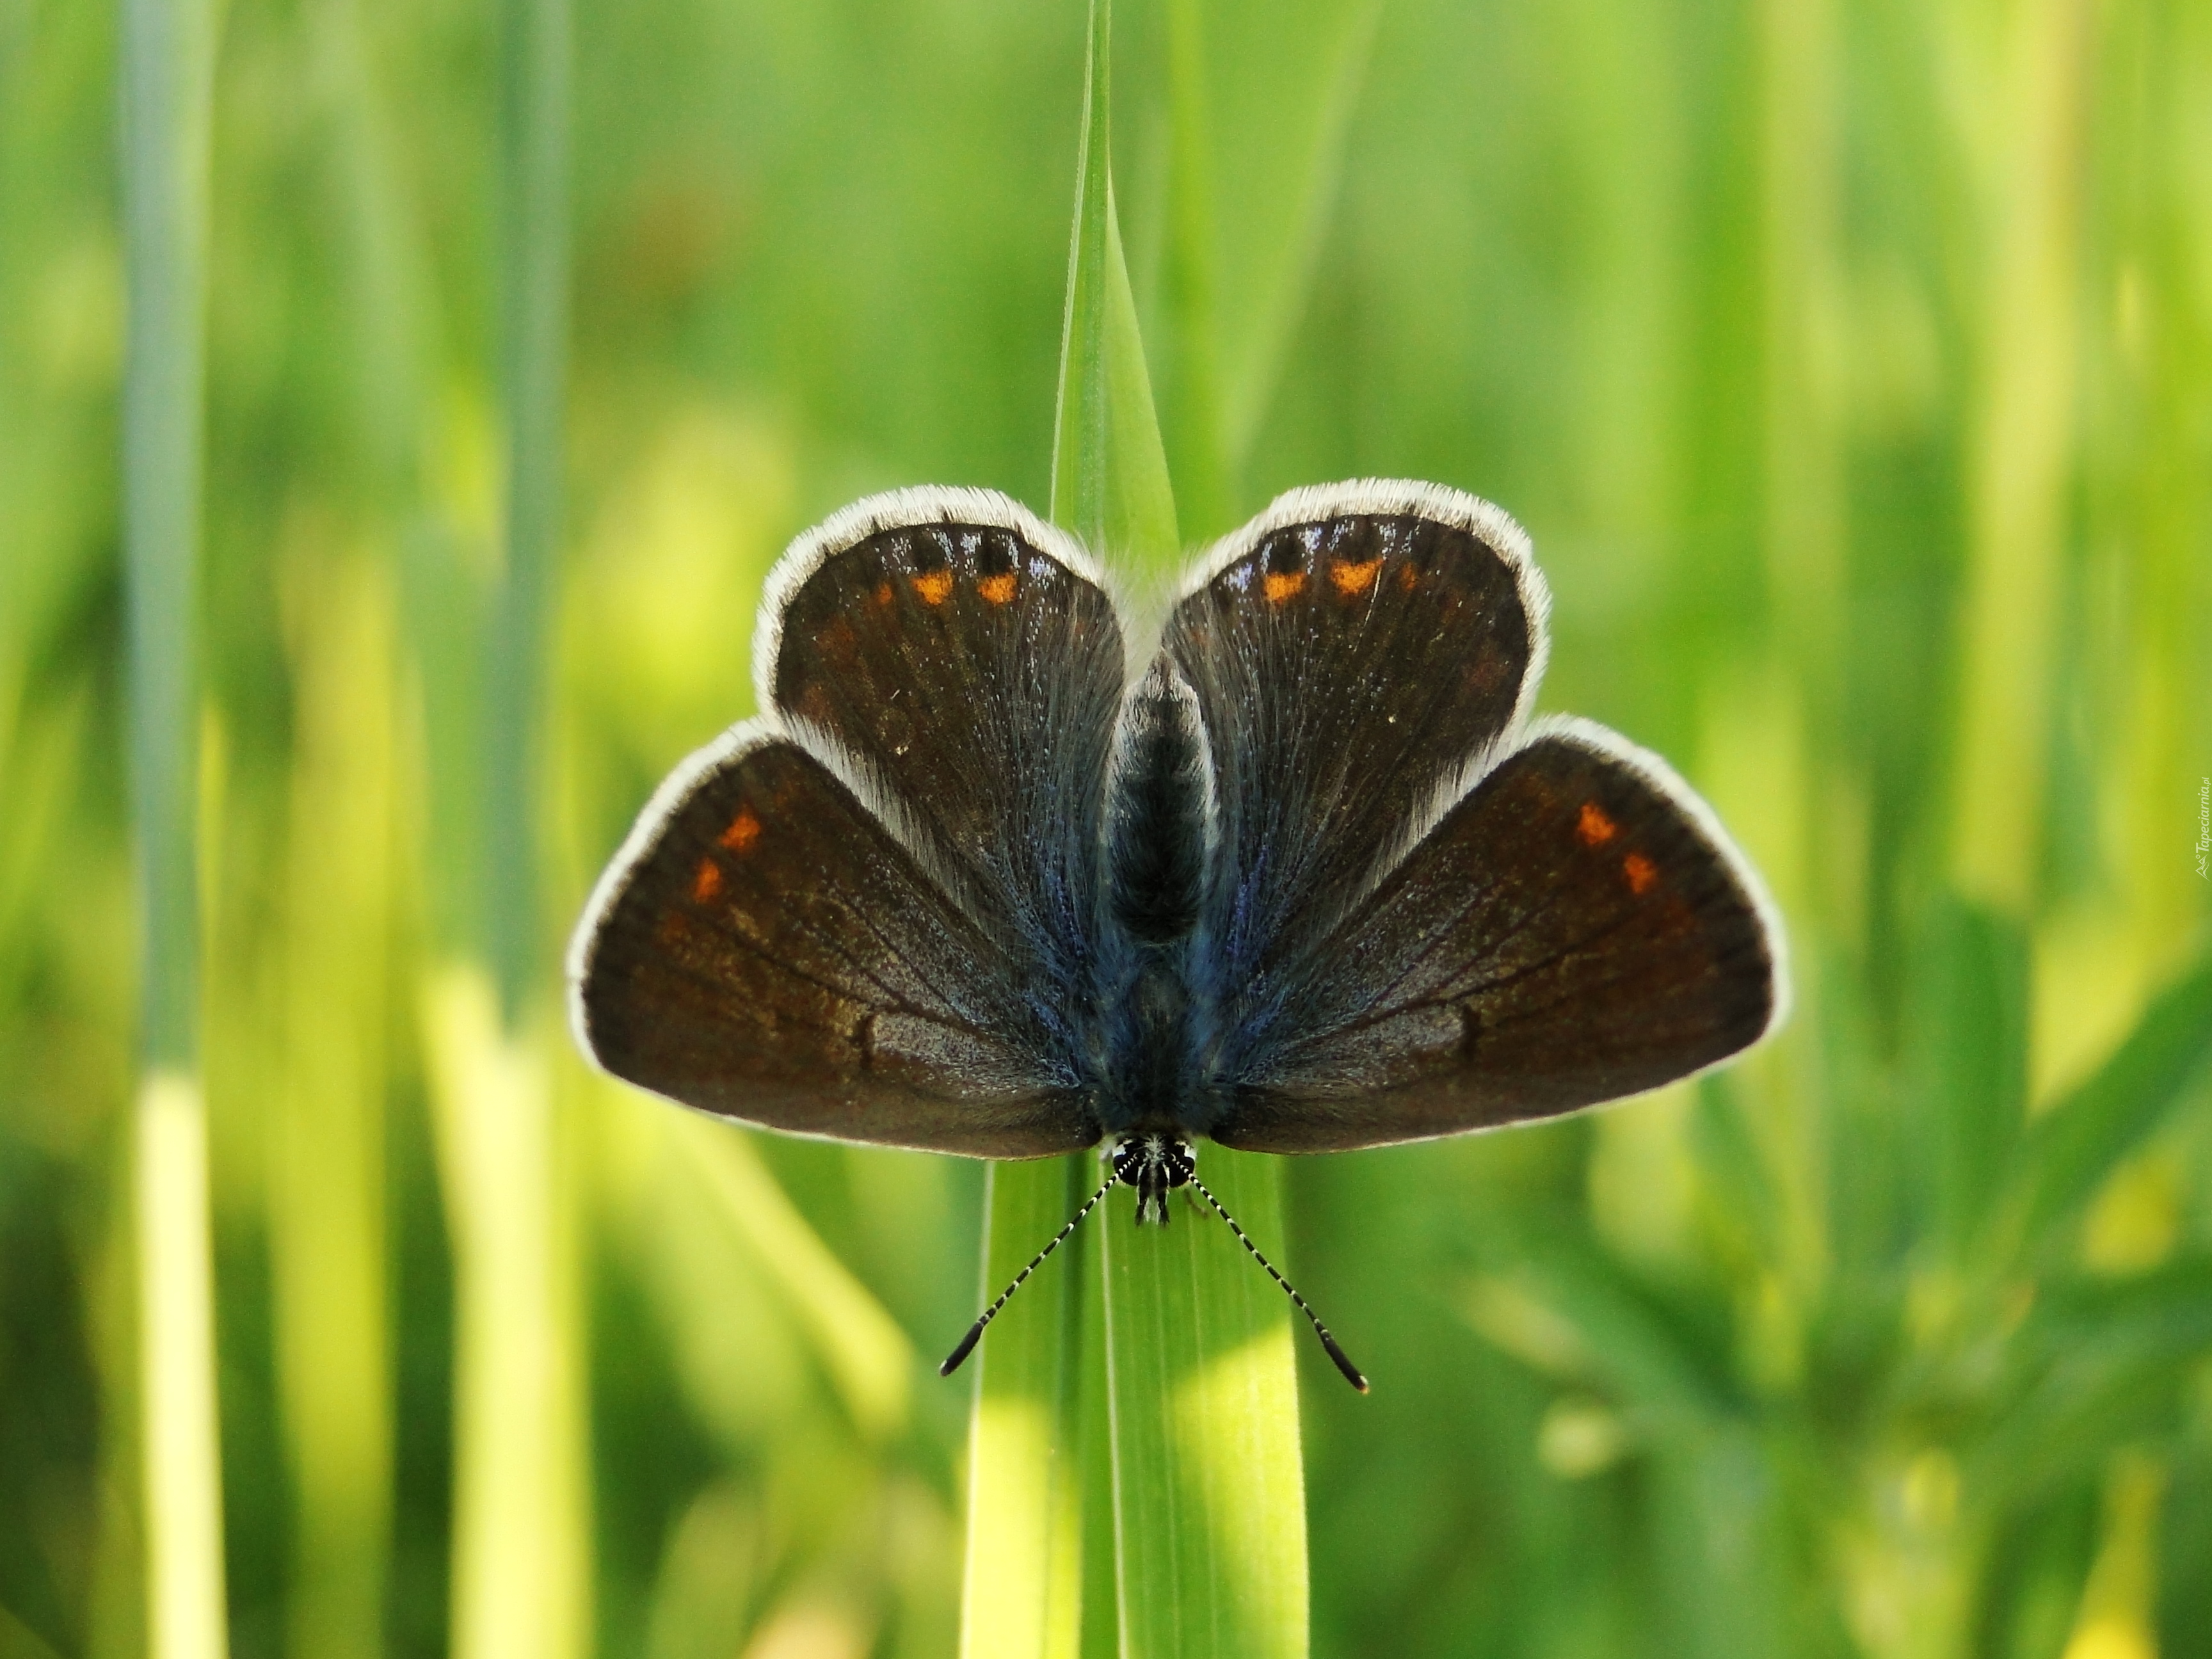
(2203, 826)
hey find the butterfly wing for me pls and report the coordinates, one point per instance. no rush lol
(765, 949)
(1576, 928)
(968, 659)
(1352, 651)
(866, 914)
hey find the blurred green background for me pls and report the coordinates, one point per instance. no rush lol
(1850, 362)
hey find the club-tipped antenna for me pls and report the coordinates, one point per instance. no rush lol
(952, 1361)
(1343, 1360)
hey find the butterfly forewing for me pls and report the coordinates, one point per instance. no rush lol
(966, 655)
(1352, 651)
(1575, 930)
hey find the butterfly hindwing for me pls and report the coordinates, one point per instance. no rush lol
(1576, 929)
(765, 949)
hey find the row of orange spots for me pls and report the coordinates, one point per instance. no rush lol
(934, 588)
(745, 830)
(1350, 579)
(1593, 829)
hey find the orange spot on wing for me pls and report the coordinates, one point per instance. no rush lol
(934, 587)
(1279, 588)
(707, 883)
(1350, 578)
(1409, 576)
(997, 589)
(1595, 828)
(1641, 873)
(745, 830)
(883, 592)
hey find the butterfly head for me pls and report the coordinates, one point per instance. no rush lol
(1153, 1163)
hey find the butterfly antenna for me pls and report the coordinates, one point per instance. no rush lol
(953, 1360)
(1343, 1360)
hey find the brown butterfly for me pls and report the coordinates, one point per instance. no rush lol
(1303, 876)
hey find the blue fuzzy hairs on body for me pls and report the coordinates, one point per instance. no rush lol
(1159, 843)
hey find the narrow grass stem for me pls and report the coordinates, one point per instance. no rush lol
(167, 92)
(521, 1550)
(533, 213)
(185, 1596)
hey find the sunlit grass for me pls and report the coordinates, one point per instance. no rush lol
(1024, 1583)
(522, 1563)
(326, 1129)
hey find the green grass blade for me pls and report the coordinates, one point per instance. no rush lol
(2155, 1315)
(868, 1357)
(169, 48)
(1209, 1496)
(522, 1559)
(168, 74)
(1575, 1311)
(1209, 1487)
(1022, 1587)
(327, 1130)
(522, 1568)
(1185, 335)
(1109, 474)
(1970, 1026)
(1262, 97)
(1283, 255)
(534, 52)
(2076, 1144)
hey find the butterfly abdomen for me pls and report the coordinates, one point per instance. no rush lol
(1158, 805)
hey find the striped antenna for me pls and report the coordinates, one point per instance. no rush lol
(1343, 1360)
(952, 1361)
